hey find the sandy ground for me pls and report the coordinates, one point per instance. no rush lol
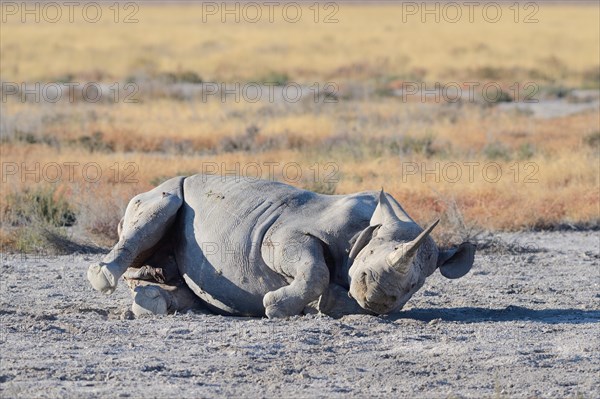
(524, 323)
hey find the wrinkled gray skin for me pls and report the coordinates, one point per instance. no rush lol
(256, 248)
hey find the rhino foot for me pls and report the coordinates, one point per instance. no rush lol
(101, 278)
(149, 300)
(278, 304)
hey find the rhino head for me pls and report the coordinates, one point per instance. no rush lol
(392, 257)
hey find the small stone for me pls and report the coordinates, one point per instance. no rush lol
(127, 315)
(434, 321)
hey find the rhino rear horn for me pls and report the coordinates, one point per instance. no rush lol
(384, 212)
(407, 251)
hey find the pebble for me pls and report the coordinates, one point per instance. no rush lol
(127, 315)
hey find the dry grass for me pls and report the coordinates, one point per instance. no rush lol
(367, 42)
(549, 166)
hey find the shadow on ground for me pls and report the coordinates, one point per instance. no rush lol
(510, 313)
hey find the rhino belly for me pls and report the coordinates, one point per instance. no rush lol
(219, 250)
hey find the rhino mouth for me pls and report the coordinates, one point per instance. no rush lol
(375, 307)
(375, 299)
(379, 308)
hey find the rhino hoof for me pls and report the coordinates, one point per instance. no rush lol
(275, 306)
(148, 300)
(101, 278)
(272, 312)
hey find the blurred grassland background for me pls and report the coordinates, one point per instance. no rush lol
(364, 127)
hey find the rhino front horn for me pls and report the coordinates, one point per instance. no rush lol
(397, 259)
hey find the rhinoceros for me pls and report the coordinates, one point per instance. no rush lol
(264, 248)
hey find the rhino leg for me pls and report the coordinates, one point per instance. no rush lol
(157, 287)
(336, 303)
(150, 298)
(147, 217)
(310, 280)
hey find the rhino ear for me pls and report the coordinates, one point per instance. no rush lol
(363, 239)
(384, 213)
(456, 262)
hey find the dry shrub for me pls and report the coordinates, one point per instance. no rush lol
(100, 210)
(36, 220)
(454, 227)
(252, 141)
(46, 204)
(61, 219)
(320, 186)
(593, 139)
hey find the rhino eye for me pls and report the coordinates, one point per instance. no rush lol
(412, 285)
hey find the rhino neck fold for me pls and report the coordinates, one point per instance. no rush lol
(345, 272)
